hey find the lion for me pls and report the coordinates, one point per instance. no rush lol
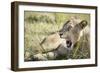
(61, 43)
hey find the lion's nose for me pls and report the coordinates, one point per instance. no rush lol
(69, 43)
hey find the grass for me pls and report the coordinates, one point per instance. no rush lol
(39, 25)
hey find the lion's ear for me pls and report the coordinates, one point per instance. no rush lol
(83, 24)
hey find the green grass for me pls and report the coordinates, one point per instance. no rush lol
(38, 25)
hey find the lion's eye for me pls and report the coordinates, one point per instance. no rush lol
(61, 34)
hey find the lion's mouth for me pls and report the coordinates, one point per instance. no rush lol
(69, 43)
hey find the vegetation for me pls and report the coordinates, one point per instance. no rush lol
(38, 25)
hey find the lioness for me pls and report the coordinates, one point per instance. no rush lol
(61, 42)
